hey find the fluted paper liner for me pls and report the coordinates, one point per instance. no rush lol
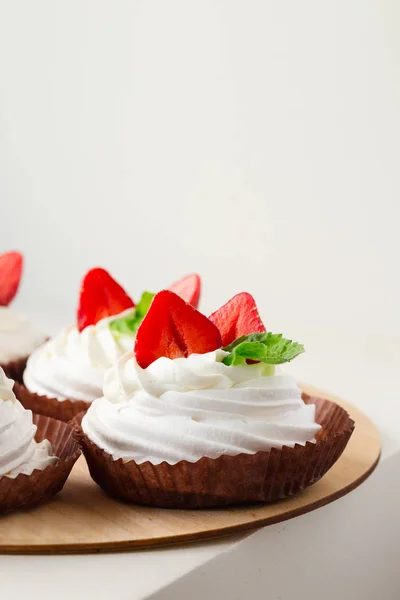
(27, 490)
(227, 480)
(14, 368)
(64, 410)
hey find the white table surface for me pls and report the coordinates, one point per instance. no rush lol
(349, 548)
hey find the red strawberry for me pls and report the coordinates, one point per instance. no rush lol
(11, 264)
(188, 288)
(174, 329)
(101, 296)
(239, 316)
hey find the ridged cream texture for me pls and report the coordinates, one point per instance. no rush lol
(72, 365)
(188, 408)
(18, 338)
(19, 452)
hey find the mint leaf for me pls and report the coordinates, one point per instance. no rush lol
(129, 324)
(243, 338)
(269, 348)
(144, 304)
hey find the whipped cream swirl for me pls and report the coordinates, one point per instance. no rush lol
(18, 338)
(72, 364)
(188, 408)
(19, 452)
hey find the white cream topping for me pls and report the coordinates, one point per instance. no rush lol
(72, 365)
(19, 452)
(187, 408)
(18, 337)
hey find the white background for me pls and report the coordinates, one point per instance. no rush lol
(256, 142)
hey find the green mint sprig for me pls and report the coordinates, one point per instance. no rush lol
(129, 324)
(269, 348)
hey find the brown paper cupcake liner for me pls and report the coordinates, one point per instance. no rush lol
(27, 490)
(227, 480)
(63, 410)
(14, 368)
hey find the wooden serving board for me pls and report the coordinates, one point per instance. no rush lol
(83, 519)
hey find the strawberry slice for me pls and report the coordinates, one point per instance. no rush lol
(101, 296)
(188, 288)
(239, 316)
(11, 264)
(173, 328)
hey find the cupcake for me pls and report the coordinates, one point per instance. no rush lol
(36, 453)
(201, 414)
(18, 338)
(66, 374)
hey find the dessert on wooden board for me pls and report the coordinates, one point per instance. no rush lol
(201, 414)
(37, 453)
(185, 410)
(65, 374)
